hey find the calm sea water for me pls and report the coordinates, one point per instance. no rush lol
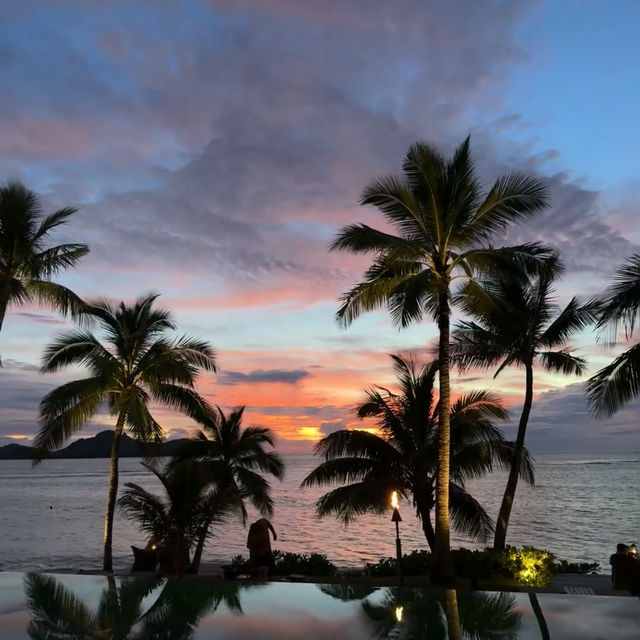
(51, 515)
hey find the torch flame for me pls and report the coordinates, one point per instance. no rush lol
(394, 500)
(399, 614)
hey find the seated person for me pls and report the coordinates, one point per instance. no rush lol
(624, 569)
(145, 559)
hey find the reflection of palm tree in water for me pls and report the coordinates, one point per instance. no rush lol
(443, 616)
(58, 614)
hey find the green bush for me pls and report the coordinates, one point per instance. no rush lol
(416, 563)
(384, 568)
(531, 567)
(472, 564)
(312, 564)
(240, 563)
(576, 567)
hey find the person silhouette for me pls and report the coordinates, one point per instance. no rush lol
(259, 545)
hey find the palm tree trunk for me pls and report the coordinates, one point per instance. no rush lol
(4, 303)
(107, 564)
(424, 513)
(197, 554)
(502, 524)
(443, 567)
(537, 611)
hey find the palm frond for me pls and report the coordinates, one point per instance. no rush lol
(563, 361)
(616, 384)
(56, 296)
(352, 500)
(514, 197)
(575, 317)
(77, 347)
(66, 409)
(355, 443)
(621, 302)
(467, 514)
(342, 470)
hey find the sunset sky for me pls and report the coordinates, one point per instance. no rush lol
(213, 148)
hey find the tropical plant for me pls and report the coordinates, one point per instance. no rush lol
(27, 264)
(236, 459)
(518, 323)
(619, 382)
(175, 521)
(443, 226)
(404, 456)
(136, 363)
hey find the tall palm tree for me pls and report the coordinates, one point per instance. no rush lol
(619, 382)
(236, 459)
(175, 521)
(136, 363)
(443, 225)
(404, 457)
(27, 264)
(518, 323)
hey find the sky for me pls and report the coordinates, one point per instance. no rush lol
(213, 148)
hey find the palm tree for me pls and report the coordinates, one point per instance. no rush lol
(619, 382)
(27, 264)
(236, 459)
(136, 363)
(404, 457)
(444, 225)
(175, 521)
(518, 323)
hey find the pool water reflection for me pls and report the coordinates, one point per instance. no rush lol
(98, 607)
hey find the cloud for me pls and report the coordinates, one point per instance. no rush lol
(560, 421)
(40, 318)
(268, 375)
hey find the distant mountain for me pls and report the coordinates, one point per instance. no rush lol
(97, 447)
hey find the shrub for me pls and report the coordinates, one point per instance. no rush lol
(312, 564)
(416, 563)
(576, 567)
(472, 564)
(529, 566)
(384, 568)
(240, 563)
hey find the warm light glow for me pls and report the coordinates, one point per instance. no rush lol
(153, 547)
(394, 500)
(399, 611)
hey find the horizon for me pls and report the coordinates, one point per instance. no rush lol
(213, 149)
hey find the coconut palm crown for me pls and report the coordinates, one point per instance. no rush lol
(618, 383)
(518, 323)
(174, 520)
(27, 263)
(442, 225)
(403, 456)
(237, 459)
(132, 363)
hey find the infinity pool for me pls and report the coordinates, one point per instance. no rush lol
(97, 607)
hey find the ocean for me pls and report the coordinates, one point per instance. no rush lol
(52, 515)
